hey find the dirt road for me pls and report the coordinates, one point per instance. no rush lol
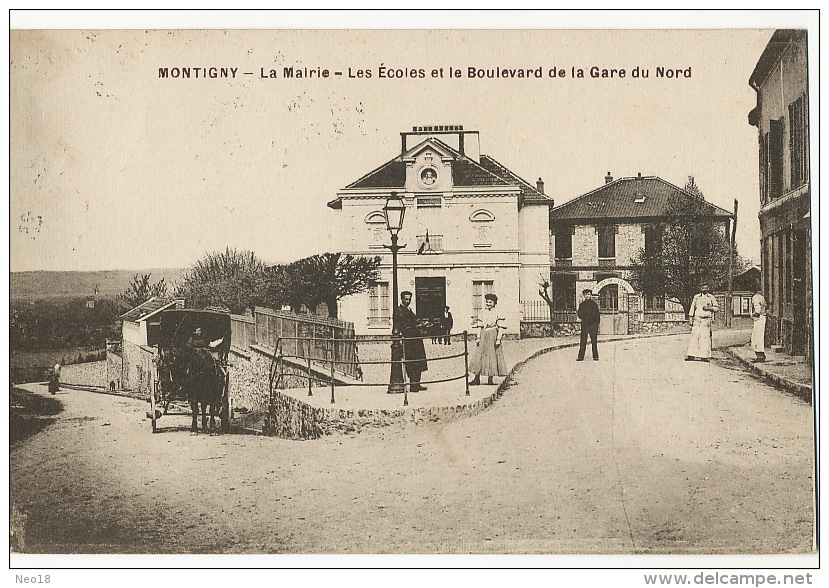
(637, 453)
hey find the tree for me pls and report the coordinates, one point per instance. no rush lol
(694, 249)
(543, 291)
(233, 279)
(286, 287)
(324, 278)
(140, 290)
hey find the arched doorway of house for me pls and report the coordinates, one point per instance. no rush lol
(612, 300)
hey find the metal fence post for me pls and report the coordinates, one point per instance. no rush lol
(406, 380)
(309, 378)
(466, 363)
(332, 371)
(313, 341)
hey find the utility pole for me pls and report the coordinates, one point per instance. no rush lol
(733, 250)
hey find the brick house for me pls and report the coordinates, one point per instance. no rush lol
(595, 237)
(781, 117)
(471, 227)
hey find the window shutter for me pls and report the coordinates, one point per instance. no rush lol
(776, 158)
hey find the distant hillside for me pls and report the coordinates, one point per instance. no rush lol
(35, 285)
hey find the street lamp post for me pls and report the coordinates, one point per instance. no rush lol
(393, 211)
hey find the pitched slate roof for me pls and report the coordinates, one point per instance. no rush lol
(391, 174)
(149, 307)
(639, 197)
(466, 172)
(528, 192)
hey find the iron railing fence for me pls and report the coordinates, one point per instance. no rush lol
(283, 345)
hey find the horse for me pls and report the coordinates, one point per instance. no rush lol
(201, 379)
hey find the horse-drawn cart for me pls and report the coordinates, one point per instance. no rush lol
(191, 366)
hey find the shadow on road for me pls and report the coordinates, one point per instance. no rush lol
(30, 413)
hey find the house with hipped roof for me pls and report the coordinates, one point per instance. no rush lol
(471, 227)
(594, 239)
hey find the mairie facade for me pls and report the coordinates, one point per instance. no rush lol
(471, 227)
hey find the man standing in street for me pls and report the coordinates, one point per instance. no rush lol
(758, 332)
(447, 325)
(701, 315)
(589, 314)
(413, 350)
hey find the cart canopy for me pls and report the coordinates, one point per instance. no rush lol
(177, 326)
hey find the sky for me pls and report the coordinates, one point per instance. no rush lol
(113, 167)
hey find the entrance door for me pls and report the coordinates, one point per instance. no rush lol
(612, 321)
(800, 295)
(430, 298)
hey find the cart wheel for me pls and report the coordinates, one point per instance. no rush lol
(153, 413)
(226, 404)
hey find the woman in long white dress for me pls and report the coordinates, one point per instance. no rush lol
(487, 359)
(758, 333)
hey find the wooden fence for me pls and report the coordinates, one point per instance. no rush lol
(304, 336)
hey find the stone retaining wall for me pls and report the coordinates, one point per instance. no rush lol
(138, 370)
(114, 369)
(250, 377)
(92, 373)
(538, 329)
(654, 327)
(294, 419)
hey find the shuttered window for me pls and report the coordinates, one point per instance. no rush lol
(775, 159)
(798, 143)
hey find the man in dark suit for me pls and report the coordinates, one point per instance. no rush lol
(413, 350)
(589, 314)
(447, 325)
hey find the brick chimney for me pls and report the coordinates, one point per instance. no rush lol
(608, 178)
(468, 143)
(539, 185)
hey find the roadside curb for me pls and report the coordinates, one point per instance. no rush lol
(508, 379)
(802, 391)
(103, 390)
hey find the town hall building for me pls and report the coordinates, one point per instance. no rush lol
(471, 227)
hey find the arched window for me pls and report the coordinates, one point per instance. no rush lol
(481, 215)
(375, 217)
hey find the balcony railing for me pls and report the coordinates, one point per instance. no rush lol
(607, 262)
(376, 321)
(564, 262)
(435, 244)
